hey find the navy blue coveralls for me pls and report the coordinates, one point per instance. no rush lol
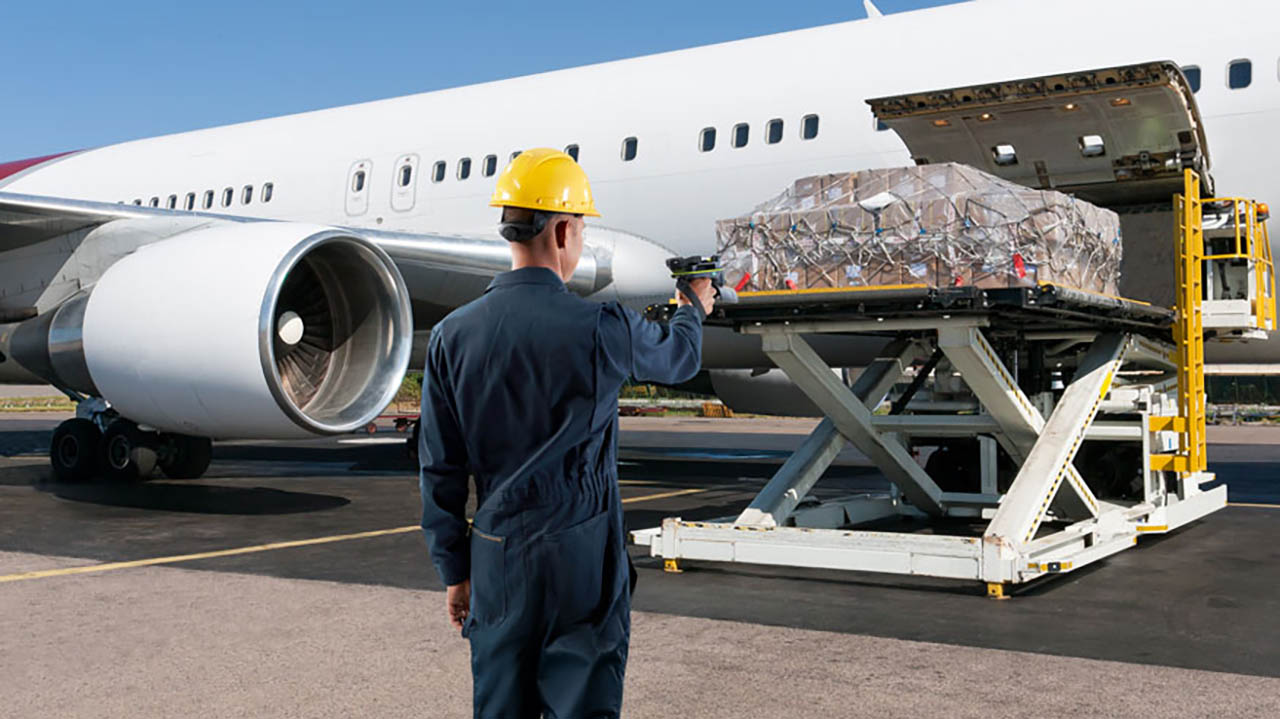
(521, 392)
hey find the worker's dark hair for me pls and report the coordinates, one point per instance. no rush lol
(521, 225)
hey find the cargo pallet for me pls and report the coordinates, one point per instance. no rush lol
(1139, 381)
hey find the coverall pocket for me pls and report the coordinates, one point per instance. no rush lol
(576, 571)
(488, 577)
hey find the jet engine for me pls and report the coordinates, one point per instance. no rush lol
(266, 330)
(761, 392)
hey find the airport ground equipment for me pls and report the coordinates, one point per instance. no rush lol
(1051, 370)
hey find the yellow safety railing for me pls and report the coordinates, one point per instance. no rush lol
(1266, 279)
(1253, 245)
(1188, 330)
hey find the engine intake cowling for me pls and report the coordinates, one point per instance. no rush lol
(266, 330)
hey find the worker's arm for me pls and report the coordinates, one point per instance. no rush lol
(649, 351)
(443, 472)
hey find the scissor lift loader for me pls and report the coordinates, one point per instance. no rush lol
(1134, 372)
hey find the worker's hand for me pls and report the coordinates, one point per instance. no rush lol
(457, 603)
(705, 292)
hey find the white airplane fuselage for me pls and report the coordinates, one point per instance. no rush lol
(672, 192)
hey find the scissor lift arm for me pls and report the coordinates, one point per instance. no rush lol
(775, 529)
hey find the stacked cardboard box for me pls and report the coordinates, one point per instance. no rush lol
(939, 225)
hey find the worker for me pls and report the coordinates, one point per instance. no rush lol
(520, 393)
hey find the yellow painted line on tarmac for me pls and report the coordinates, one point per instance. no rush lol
(1254, 505)
(112, 566)
(662, 495)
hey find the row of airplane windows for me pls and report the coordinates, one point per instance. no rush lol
(739, 136)
(228, 197)
(1239, 75)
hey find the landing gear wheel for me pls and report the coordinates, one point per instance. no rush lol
(188, 457)
(128, 453)
(411, 443)
(74, 450)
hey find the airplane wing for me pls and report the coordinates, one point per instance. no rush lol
(64, 245)
(208, 325)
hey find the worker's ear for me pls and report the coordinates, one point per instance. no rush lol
(561, 233)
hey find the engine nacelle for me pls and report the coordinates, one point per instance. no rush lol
(762, 392)
(265, 330)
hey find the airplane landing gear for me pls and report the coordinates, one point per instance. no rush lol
(128, 453)
(184, 457)
(74, 450)
(123, 452)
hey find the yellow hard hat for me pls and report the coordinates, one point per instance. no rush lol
(544, 179)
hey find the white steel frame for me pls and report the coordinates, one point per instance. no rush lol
(776, 529)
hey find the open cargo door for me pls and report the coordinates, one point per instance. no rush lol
(1116, 137)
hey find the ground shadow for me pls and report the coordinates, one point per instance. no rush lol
(21, 442)
(196, 498)
(362, 458)
(827, 577)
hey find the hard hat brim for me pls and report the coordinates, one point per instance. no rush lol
(590, 211)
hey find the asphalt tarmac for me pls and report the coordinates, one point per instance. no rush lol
(310, 594)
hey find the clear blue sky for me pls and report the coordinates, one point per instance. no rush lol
(82, 74)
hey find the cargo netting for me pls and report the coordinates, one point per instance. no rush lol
(937, 225)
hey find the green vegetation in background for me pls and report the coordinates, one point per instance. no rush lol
(411, 391)
(409, 397)
(1243, 389)
(655, 392)
(37, 404)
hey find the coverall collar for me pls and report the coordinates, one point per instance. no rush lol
(527, 276)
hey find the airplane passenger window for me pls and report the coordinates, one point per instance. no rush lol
(514, 155)
(137, 202)
(172, 202)
(1239, 74)
(707, 139)
(741, 133)
(572, 151)
(208, 199)
(406, 175)
(629, 147)
(808, 127)
(437, 171)
(246, 195)
(228, 195)
(357, 182)
(267, 191)
(490, 165)
(773, 132)
(155, 202)
(1193, 77)
(189, 203)
(880, 126)
(464, 168)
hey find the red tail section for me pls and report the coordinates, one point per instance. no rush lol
(8, 169)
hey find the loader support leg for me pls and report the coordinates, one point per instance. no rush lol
(851, 417)
(802, 470)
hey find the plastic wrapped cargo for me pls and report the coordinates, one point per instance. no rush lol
(939, 225)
